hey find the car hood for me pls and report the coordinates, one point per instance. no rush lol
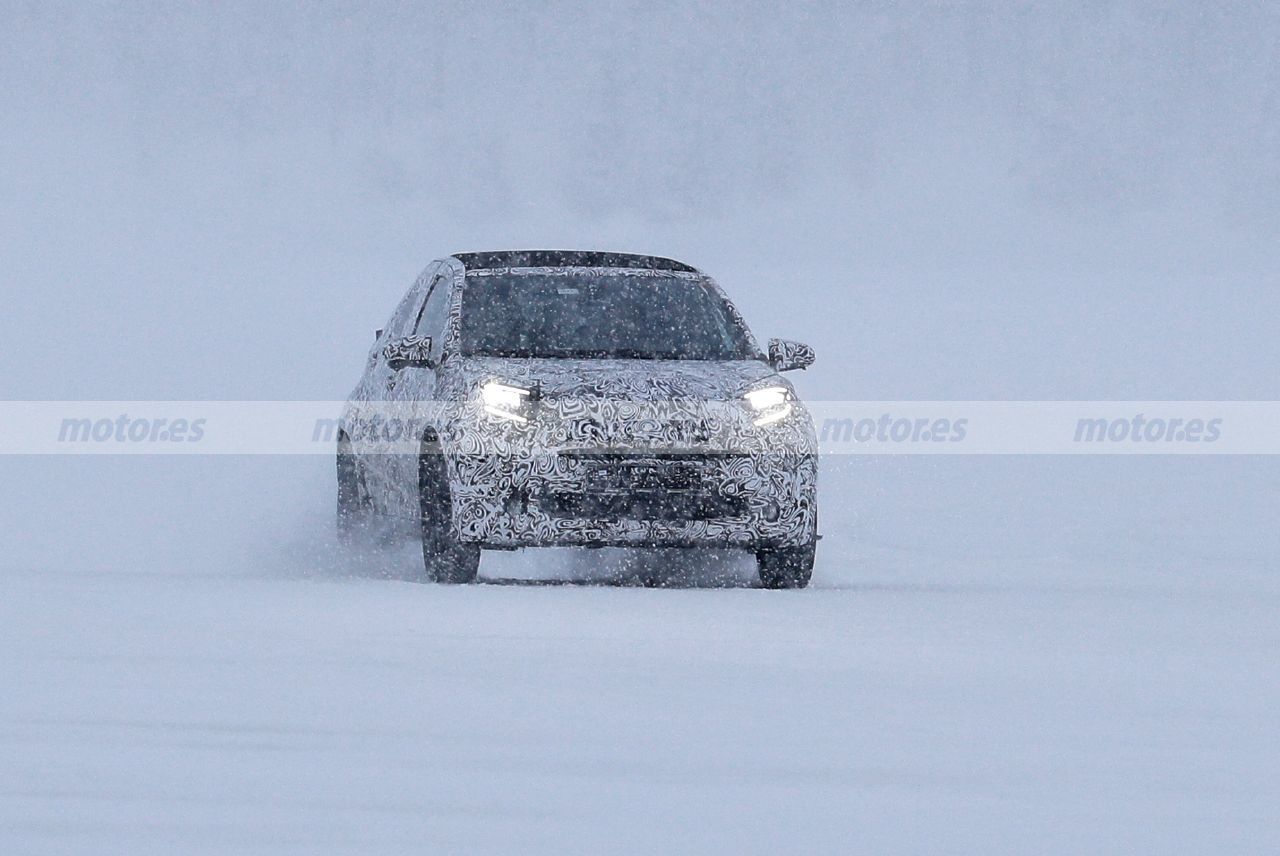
(635, 380)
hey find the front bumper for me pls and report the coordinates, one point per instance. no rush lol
(751, 500)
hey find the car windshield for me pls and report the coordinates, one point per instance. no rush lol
(598, 315)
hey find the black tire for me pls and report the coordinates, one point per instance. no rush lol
(354, 511)
(786, 567)
(444, 558)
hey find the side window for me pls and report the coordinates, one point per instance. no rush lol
(436, 311)
(402, 320)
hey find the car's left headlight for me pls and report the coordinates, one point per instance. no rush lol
(769, 404)
(506, 401)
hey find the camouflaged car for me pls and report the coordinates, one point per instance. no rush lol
(554, 398)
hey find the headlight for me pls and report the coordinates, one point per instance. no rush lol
(505, 401)
(769, 404)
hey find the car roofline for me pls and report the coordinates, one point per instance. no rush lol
(569, 258)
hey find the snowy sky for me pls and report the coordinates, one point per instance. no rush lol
(950, 200)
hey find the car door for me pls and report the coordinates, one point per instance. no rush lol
(411, 394)
(368, 417)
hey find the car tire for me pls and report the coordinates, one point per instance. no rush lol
(786, 567)
(444, 558)
(354, 510)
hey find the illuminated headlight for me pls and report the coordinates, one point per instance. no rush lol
(505, 401)
(769, 404)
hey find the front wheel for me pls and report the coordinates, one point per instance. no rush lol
(786, 567)
(444, 558)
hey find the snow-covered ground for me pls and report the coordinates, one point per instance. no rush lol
(990, 676)
(242, 714)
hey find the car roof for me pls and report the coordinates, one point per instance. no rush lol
(567, 258)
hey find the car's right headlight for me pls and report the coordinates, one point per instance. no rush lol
(506, 401)
(769, 404)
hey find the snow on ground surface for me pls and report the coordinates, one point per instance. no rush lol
(152, 713)
(979, 683)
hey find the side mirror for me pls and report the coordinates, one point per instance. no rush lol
(786, 355)
(409, 352)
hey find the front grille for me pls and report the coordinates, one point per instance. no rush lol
(641, 486)
(642, 505)
(606, 456)
(642, 476)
